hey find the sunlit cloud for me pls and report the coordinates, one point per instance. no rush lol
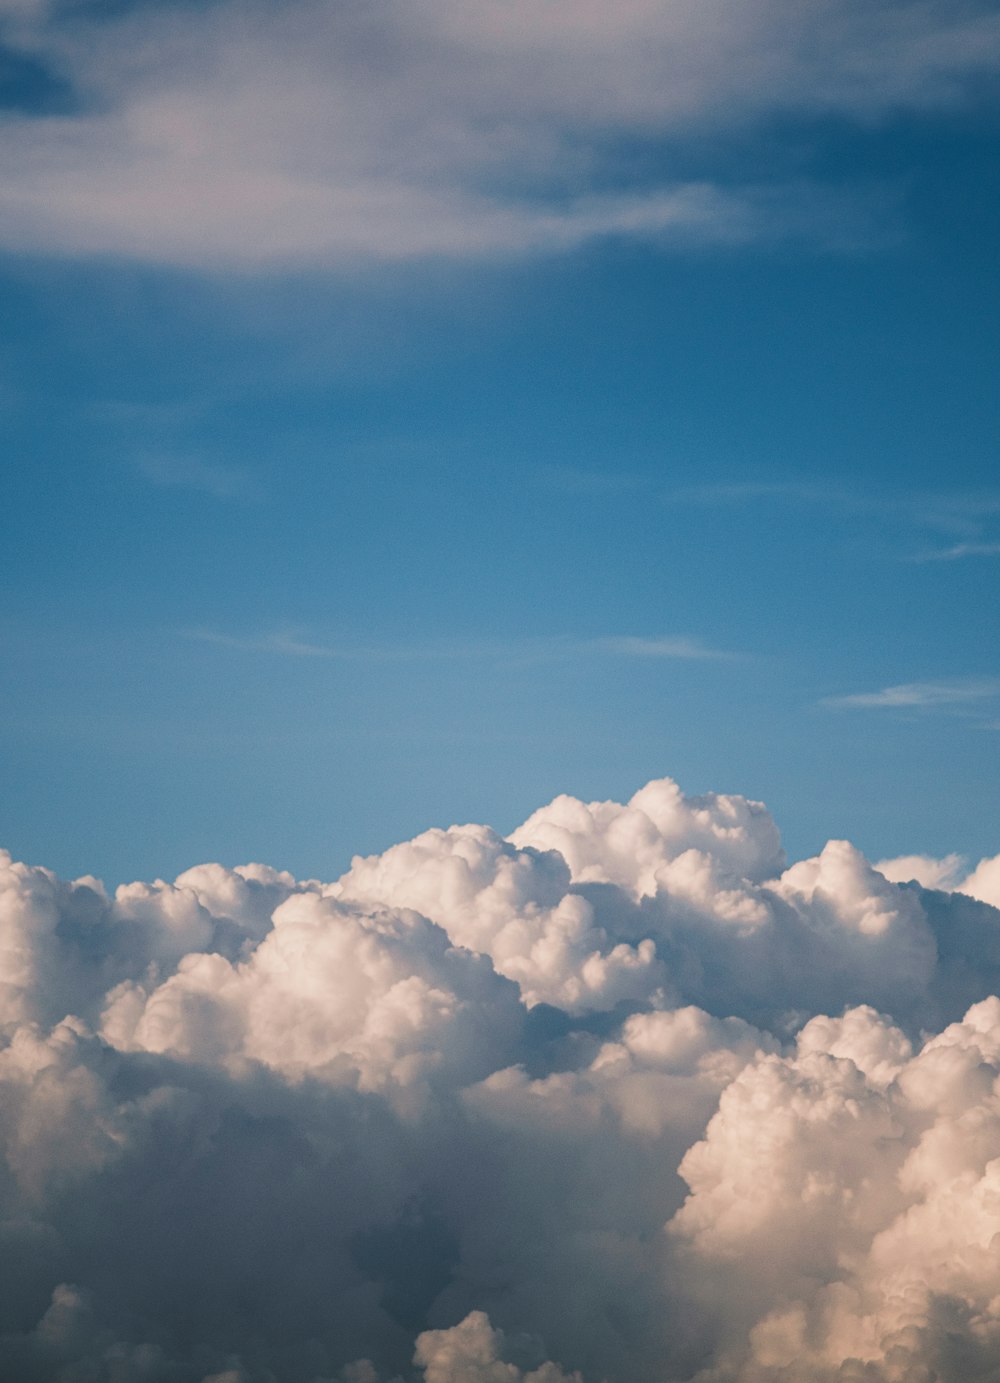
(471, 1105)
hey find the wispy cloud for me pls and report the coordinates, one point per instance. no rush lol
(281, 642)
(193, 473)
(744, 491)
(957, 552)
(292, 643)
(637, 646)
(921, 695)
(315, 137)
(585, 482)
(960, 513)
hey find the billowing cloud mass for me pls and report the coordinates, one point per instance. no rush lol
(621, 1096)
(244, 133)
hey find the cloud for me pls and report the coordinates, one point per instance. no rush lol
(851, 1173)
(958, 551)
(588, 483)
(290, 643)
(241, 136)
(282, 642)
(983, 882)
(193, 473)
(953, 512)
(921, 694)
(470, 1353)
(621, 1096)
(635, 646)
(928, 872)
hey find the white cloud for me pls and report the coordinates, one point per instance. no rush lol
(620, 1097)
(847, 1197)
(928, 872)
(245, 135)
(957, 551)
(984, 882)
(290, 642)
(194, 473)
(637, 646)
(922, 694)
(372, 999)
(516, 906)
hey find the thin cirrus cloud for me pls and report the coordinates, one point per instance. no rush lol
(171, 471)
(921, 695)
(631, 646)
(958, 551)
(241, 135)
(291, 644)
(947, 511)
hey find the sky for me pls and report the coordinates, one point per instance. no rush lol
(576, 418)
(412, 413)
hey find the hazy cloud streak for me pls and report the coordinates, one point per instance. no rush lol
(248, 135)
(922, 694)
(289, 643)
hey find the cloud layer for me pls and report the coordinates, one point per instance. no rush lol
(621, 1097)
(228, 134)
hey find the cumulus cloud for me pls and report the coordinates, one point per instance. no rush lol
(246, 134)
(470, 1353)
(927, 871)
(622, 1096)
(983, 882)
(861, 1180)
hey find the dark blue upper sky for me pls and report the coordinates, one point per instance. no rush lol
(451, 420)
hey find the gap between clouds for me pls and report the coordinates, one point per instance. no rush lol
(920, 696)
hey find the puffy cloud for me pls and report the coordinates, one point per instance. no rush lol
(927, 871)
(514, 904)
(948, 873)
(470, 1353)
(863, 1181)
(984, 882)
(620, 1091)
(632, 845)
(372, 999)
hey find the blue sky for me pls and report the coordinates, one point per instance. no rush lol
(411, 415)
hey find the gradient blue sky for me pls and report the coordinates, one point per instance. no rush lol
(410, 417)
